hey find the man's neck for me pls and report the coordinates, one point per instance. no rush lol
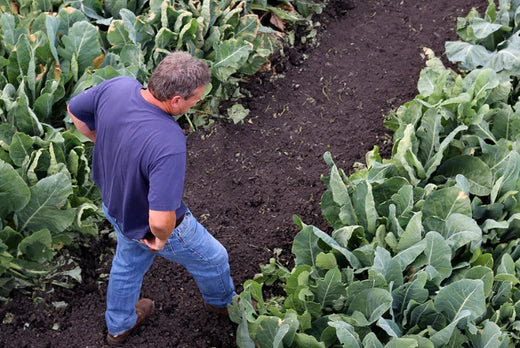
(148, 96)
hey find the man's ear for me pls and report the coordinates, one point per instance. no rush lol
(175, 99)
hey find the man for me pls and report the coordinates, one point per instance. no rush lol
(139, 165)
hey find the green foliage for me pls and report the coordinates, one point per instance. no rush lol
(74, 45)
(425, 248)
(489, 42)
(47, 201)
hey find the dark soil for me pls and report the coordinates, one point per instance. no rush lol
(246, 181)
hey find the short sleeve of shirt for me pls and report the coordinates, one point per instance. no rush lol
(83, 106)
(166, 180)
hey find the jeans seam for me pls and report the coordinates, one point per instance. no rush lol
(170, 246)
(221, 281)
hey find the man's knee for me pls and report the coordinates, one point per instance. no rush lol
(220, 257)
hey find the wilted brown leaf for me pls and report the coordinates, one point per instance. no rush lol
(277, 22)
(98, 60)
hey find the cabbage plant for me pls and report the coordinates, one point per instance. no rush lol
(424, 248)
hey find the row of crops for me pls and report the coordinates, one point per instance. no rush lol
(425, 247)
(53, 50)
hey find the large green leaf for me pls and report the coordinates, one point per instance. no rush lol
(464, 294)
(424, 315)
(21, 148)
(307, 341)
(230, 55)
(409, 291)
(52, 25)
(490, 336)
(243, 337)
(405, 155)
(507, 59)
(443, 336)
(404, 201)
(371, 341)
(330, 288)
(412, 233)
(372, 304)
(506, 124)
(438, 257)
(388, 266)
(305, 246)
(118, 36)
(14, 192)
(427, 81)
(476, 171)
(364, 206)
(351, 258)
(26, 63)
(10, 31)
(43, 104)
(37, 246)
(383, 192)
(404, 342)
(113, 7)
(44, 209)
(272, 332)
(69, 16)
(482, 28)
(341, 197)
(345, 333)
(22, 116)
(434, 162)
(429, 134)
(11, 238)
(165, 39)
(461, 230)
(469, 55)
(483, 273)
(440, 204)
(82, 43)
(408, 255)
(504, 162)
(248, 27)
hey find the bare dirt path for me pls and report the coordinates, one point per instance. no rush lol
(246, 181)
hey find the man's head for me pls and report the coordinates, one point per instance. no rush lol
(181, 79)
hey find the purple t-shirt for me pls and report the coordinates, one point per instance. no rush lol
(139, 156)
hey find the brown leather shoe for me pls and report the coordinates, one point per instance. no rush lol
(143, 308)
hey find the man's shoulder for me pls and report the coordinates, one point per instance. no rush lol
(165, 138)
(122, 81)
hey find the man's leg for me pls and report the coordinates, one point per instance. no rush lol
(204, 257)
(130, 263)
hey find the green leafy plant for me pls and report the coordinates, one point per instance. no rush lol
(75, 45)
(424, 247)
(48, 201)
(489, 42)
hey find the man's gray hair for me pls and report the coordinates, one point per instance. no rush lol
(178, 74)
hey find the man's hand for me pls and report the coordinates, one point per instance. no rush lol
(155, 244)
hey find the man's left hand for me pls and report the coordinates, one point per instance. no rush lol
(155, 244)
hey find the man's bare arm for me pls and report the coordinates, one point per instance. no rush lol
(161, 224)
(82, 127)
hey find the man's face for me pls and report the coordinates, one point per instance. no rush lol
(181, 106)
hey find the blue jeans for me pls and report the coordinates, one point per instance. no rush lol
(190, 245)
